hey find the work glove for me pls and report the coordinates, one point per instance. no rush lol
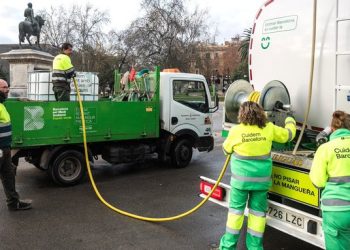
(322, 137)
(320, 141)
(290, 114)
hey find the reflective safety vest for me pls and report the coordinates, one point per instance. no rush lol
(331, 170)
(5, 127)
(251, 163)
(62, 71)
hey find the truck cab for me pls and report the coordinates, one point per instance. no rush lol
(185, 116)
(185, 108)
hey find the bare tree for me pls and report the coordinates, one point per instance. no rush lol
(166, 35)
(58, 26)
(88, 33)
(122, 46)
(82, 26)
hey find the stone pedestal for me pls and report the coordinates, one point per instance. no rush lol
(23, 61)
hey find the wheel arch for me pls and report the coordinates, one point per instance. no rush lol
(48, 156)
(188, 134)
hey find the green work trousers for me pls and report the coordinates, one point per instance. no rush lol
(336, 227)
(257, 204)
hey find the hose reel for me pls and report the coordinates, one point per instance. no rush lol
(236, 94)
(274, 98)
(275, 95)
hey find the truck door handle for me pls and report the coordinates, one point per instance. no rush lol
(174, 120)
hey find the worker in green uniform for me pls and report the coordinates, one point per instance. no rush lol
(250, 144)
(331, 170)
(62, 72)
(7, 170)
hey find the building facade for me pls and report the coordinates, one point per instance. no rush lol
(217, 61)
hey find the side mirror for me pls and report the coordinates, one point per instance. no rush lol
(216, 101)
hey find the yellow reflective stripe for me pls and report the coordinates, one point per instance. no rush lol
(234, 221)
(256, 223)
(251, 179)
(247, 157)
(340, 179)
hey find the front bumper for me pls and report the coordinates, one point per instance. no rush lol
(205, 143)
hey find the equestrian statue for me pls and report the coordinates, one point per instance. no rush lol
(31, 26)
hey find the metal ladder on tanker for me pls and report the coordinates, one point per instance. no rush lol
(340, 88)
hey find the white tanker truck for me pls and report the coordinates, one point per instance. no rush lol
(299, 62)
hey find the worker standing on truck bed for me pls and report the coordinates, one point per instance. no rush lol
(331, 170)
(62, 72)
(7, 170)
(250, 144)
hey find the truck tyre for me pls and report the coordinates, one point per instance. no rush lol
(68, 168)
(181, 154)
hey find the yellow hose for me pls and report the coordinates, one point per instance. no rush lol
(254, 96)
(135, 216)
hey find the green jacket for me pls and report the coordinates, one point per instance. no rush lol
(251, 163)
(331, 170)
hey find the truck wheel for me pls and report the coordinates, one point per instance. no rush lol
(181, 154)
(68, 168)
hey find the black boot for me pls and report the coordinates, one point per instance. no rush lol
(20, 205)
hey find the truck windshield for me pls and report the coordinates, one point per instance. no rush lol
(191, 94)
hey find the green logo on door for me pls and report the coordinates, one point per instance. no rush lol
(265, 42)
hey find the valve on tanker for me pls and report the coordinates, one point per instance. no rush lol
(274, 98)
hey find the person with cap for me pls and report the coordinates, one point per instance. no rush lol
(7, 170)
(63, 71)
(330, 171)
(250, 144)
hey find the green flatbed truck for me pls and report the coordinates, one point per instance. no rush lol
(171, 121)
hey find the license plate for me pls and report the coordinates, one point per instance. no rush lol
(286, 216)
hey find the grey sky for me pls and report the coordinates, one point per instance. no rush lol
(229, 16)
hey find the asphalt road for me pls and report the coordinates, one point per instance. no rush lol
(73, 218)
